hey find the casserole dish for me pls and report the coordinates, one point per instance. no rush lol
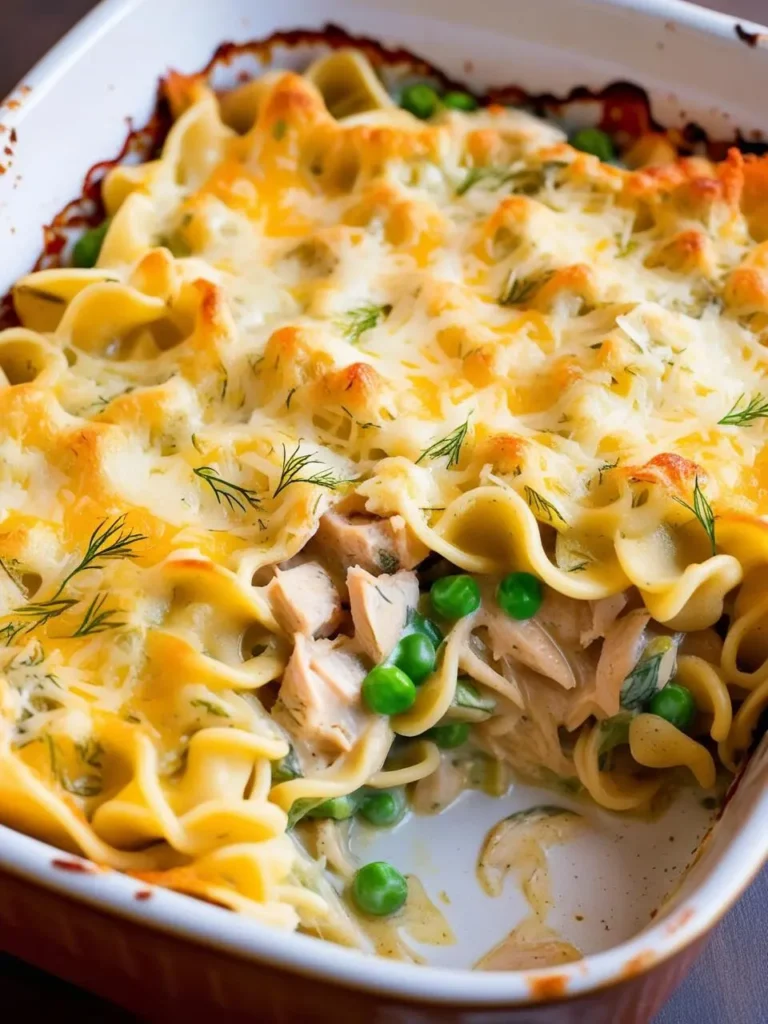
(683, 919)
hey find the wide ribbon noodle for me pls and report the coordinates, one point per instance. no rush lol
(323, 342)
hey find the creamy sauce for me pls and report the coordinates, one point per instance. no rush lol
(519, 844)
(531, 944)
(419, 920)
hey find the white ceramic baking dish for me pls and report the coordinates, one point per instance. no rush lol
(151, 949)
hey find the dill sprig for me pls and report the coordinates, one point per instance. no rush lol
(526, 180)
(703, 512)
(41, 612)
(756, 409)
(520, 289)
(624, 248)
(293, 466)
(213, 709)
(495, 176)
(356, 322)
(107, 542)
(86, 785)
(605, 468)
(11, 570)
(90, 751)
(449, 445)
(540, 506)
(95, 620)
(10, 631)
(225, 490)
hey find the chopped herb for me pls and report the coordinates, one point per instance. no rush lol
(643, 681)
(756, 409)
(13, 573)
(291, 393)
(527, 181)
(356, 322)
(300, 808)
(495, 177)
(518, 290)
(90, 751)
(36, 658)
(387, 561)
(286, 768)
(279, 128)
(10, 631)
(213, 709)
(703, 512)
(95, 620)
(225, 490)
(606, 466)
(468, 697)
(614, 732)
(623, 248)
(363, 426)
(449, 445)
(294, 464)
(540, 506)
(112, 541)
(196, 444)
(41, 612)
(85, 785)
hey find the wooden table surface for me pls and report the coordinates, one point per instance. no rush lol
(728, 984)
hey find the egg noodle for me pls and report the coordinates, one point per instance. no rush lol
(329, 352)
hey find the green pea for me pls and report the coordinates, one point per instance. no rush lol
(337, 807)
(674, 703)
(421, 100)
(453, 597)
(383, 807)
(456, 100)
(519, 595)
(415, 655)
(594, 141)
(85, 252)
(426, 626)
(379, 889)
(387, 690)
(450, 735)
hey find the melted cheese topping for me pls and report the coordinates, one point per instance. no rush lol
(536, 360)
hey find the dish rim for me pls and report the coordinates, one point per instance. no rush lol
(191, 920)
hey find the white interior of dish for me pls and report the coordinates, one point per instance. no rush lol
(694, 69)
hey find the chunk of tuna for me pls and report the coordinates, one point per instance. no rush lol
(319, 700)
(304, 600)
(529, 643)
(380, 606)
(624, 642)
(604, 613)
(377, 545)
